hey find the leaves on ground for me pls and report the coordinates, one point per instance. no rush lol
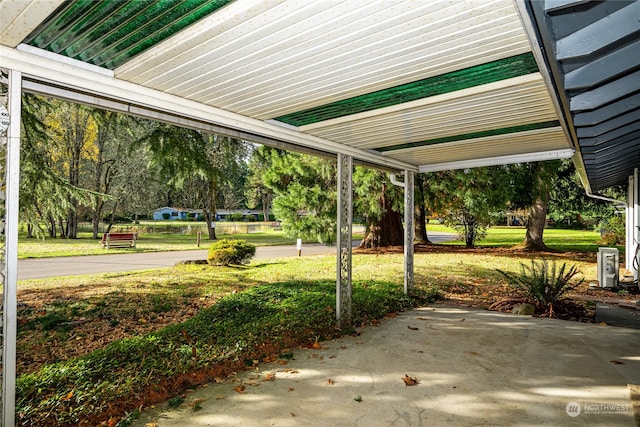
(617, 362)
(409, 380)
(413, 328)
(330, 381)
(239, 389)
(270, 376)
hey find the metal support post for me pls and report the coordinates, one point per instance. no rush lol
(345, 217)
(409, 231)
(10, 177)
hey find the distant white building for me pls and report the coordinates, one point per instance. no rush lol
(181, 214)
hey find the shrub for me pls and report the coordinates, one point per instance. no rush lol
(235, 217)
(612, 231)
(250, 218)
(227, 252)
(544, 284)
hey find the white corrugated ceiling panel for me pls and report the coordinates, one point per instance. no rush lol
(266, 59)
(513, 102)
(540, 140)
(19, 17)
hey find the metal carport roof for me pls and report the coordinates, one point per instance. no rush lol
(408, 85)
(592, 50)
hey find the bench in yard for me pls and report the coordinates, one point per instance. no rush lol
(119, 240)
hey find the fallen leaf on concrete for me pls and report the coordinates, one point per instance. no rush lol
(462, 320)
(412, 328)
(422, 318)
(290, 389)
(330, 381)
(617, 362)
(150, 425)
(603, 323)
(269, 377)
(282, 362)
(316, 344)
(219, 397)
(409, 380)
(292, 414)
(239, 389)
(219, 380)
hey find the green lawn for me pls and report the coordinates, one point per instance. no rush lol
(156, 242)
(113, 336)
(558, 239)
(563, 240)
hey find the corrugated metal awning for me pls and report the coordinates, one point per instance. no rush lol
(421, 85)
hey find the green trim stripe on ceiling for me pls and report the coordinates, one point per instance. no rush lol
(502, 69)
(472, 135)
(108, 33)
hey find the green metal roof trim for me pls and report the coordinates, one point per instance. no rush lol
(502, 69)
(473, 135)
(108, 33)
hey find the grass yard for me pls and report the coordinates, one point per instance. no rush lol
(156, 242)
(93, 349)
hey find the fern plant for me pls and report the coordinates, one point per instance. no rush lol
(544, 283)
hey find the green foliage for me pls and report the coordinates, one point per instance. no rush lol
(231, 252)
(306, 195)
(305, 189)
(470, 200)
(612, 230)
(570, 206)
(542, 283)
(175, 401)
(236, 217)
(282, 314)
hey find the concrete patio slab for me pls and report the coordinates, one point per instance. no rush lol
(473, 367)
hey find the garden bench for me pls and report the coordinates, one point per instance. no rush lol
(119, 240)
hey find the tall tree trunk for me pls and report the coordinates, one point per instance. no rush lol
(421, 224)
(95, 220)
(420, 210)
(535, 226)
(540, 181)
(52, 227)
(386, 232)
(470, 231)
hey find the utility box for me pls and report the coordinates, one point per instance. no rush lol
(608, 267)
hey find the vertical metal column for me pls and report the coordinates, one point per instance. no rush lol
(629, 225)
(345, 217)
(9, 257)
(409, 230)
(632, 213)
